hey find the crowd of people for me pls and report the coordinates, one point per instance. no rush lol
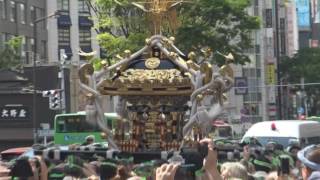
(271, 162)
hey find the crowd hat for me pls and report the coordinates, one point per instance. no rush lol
(302, 156)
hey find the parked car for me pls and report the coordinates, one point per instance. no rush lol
(12, 153)
(284, 132)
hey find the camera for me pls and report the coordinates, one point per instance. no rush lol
(226, 152)
(284, 166)
(185, 172)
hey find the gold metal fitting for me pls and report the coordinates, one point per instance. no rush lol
(172, 39)
(173, 54)
(127, 53)
(192, 56)
(199, 97)
(148, 41)
(103, 62)
(119, 57)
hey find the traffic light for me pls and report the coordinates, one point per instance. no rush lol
(55, 100)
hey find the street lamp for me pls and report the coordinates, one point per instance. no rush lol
(35, 22)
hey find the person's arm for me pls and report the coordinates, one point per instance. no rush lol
(210, 163)
(88, 170)
(43, 174)
(166, 172)
(4, 172)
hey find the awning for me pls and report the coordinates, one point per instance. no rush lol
(85, 21)
(64, 20)
(86, 49)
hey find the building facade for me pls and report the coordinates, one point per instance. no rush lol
(72, 30)
(17, 19)
(259, 101)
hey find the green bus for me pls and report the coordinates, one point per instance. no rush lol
(313, 118)
(71, 128)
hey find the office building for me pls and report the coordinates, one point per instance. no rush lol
(71, 31)
(16, 19)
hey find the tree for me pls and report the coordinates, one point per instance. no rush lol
(10, 55)
(221, 25)
(304, 64)
(119, 26)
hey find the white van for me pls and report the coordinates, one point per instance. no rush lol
(285, 131)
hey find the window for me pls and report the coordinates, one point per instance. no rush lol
(43, 50)
(41, 13)
(32, 44)
(256, 8)
(258, 60)
(74, 124)
(2, 40)
(252, 97)
(13, 11)
(64, 36)
(23, 50)
(23, 46)
(22, 14)
(32, 15)
(85, 37)
(63, 5)
(84, 9)
(3, 9)
(9, 36)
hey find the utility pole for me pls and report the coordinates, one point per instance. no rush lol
(34, 103)
(63, 57)
(277, 53)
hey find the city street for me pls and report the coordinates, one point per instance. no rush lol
(159, 89)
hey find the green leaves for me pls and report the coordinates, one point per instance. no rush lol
(222, 25)
(10, 55)
(303, 64)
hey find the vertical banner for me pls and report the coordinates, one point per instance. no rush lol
(271, 77)
(303, 13)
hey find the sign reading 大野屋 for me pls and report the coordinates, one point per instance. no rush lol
(14, 113)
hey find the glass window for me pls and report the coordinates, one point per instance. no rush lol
(43, 48)
(9, 36)
(74, 124)
(252, 97)
(2, 40)
(84, 9)
(85, 37)
(32, 15)
(13, 11)
(32, 44)
(257, 49)
(22, 14)
(258, 61)
(3, 9)
(63, 5)
(64, 36)
(41, 13)
(23, 46)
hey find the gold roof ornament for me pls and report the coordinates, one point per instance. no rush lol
(152, 63)
(207, 52)
(158, 11)
(229, 57)
(226, 69)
